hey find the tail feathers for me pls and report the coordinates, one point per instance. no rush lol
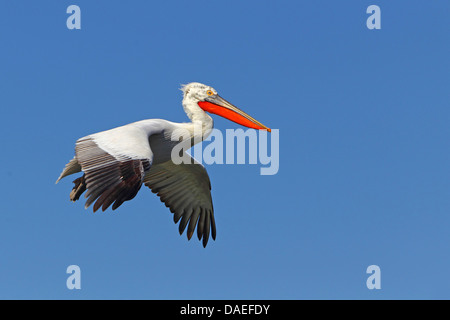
(78, 189)
(72, 167)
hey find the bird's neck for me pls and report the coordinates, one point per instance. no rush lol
(202, 124)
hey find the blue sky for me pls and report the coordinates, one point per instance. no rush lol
(364, 148)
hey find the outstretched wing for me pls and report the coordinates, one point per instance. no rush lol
(186, 189)
(114, 163)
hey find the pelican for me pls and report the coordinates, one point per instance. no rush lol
(115, 163)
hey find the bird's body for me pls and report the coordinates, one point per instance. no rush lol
(115, 163)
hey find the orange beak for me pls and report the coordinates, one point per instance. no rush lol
(217, 105)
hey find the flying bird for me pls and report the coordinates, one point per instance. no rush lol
(115, 163)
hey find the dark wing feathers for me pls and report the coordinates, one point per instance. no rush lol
(186, 190)
(113, 179)
(109, 179)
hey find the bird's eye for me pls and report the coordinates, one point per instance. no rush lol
(209, 93)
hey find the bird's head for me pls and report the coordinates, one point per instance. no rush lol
(198, 97)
